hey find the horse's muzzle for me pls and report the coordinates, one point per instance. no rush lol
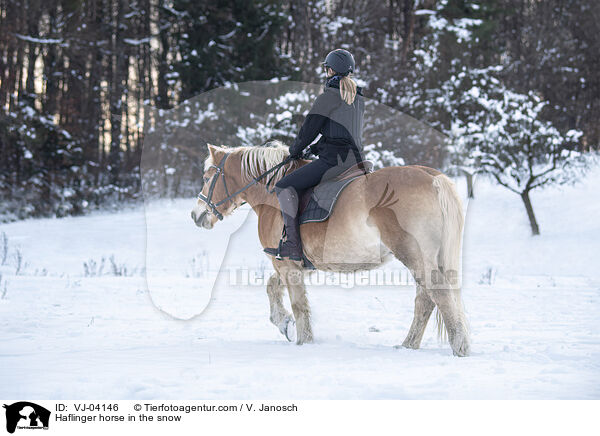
(200, 219)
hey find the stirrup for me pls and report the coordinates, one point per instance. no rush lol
(276, 252)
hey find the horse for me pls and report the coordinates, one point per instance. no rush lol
(412, 213)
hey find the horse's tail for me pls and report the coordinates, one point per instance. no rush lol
(452, 228)
(452, 224)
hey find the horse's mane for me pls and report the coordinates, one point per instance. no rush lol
(258, 159)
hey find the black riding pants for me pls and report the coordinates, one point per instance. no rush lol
(309, 175)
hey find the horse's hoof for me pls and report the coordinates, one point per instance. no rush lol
(462, 352)
(290, 330)
(306, 337)
(408, 344)
(463, 349)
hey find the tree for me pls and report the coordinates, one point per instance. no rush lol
(505, 133)
(92, 67)
(220, 42)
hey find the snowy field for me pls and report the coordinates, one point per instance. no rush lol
(100, 330)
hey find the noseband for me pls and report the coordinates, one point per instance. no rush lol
(221, 173)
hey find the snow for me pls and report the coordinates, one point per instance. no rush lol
(333, 25)
(132, 41)
(39, 40)
(532, 303)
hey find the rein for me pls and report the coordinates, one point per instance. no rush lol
(221, 173)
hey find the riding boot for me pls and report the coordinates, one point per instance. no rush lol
(291, 246)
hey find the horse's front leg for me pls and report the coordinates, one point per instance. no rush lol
(292, 276)
(280, 317)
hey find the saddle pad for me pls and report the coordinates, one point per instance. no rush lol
(322, 199)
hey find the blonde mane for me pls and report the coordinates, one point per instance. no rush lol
(256, 160)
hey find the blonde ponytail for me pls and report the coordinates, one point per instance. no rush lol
(348, 89)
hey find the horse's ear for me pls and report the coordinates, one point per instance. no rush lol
(211, 150)
(214, 152)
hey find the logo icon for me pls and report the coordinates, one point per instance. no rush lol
(26, 415)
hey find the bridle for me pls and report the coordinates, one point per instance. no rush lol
(221, 174)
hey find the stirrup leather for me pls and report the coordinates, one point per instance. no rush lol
(278, 255)
(283, 237)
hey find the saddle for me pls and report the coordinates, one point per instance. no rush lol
(317, 203)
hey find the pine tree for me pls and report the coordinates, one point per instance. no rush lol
(220, 42)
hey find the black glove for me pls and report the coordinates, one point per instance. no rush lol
(295, 156)
(305, 155)
(314, 149)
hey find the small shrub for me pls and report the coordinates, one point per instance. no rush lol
(488, 277)
(93, 269)
(3, 287)
(199, 265)
(19, 264)
(4, 248)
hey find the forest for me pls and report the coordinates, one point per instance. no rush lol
(511, 85)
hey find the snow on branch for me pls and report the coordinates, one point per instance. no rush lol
(132, 41)
(39, 40)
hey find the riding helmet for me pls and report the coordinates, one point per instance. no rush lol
(341, 61)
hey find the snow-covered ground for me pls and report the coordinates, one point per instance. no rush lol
(533, 306)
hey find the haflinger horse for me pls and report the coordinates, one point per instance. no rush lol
(412, 213)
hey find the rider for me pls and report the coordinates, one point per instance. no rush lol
(337, 114)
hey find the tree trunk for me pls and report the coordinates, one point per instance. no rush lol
(535, 229)
(409, 25)
(470, 192)
(120, 66)
(52, 73)
(32, 52)
(162, 97)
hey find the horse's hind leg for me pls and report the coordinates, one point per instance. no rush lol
(280, 317)
(423, 308)
(453, 317)
(447, 299)
(407, 250)
(433, 289)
